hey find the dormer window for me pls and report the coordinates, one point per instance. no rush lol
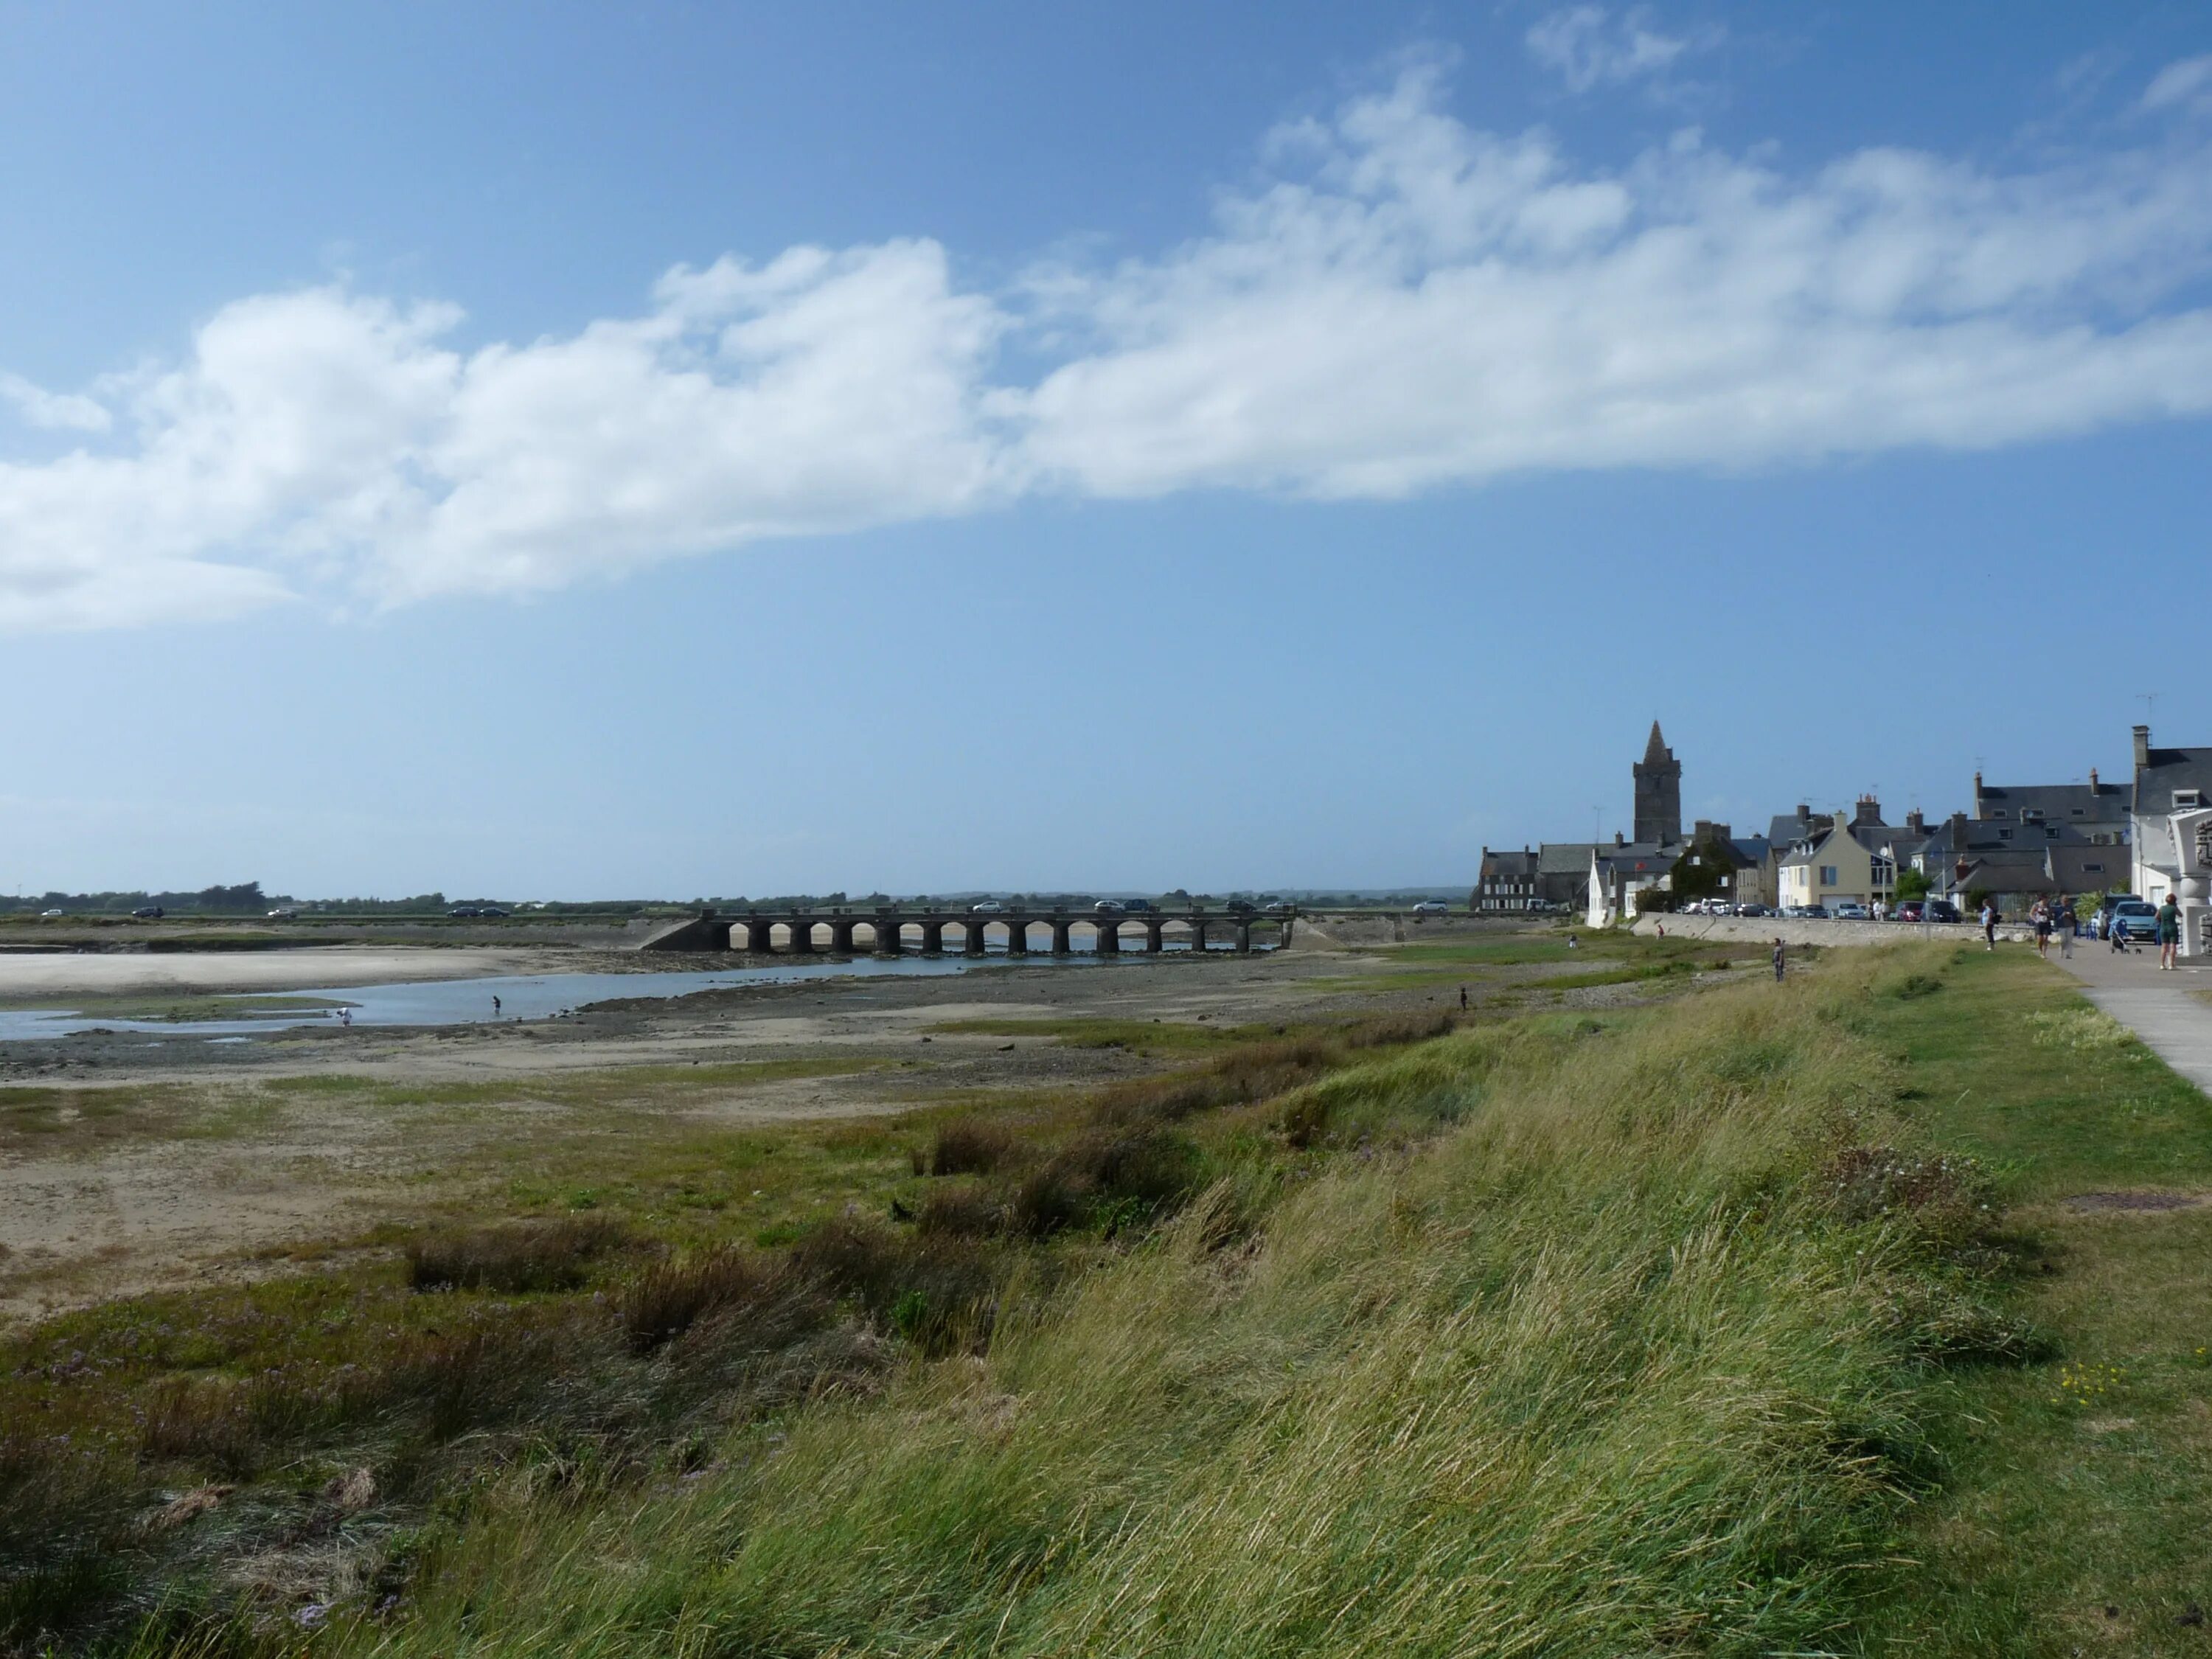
(2004, 835)
(2028, 815)
(1999, 813)
(2188, 797)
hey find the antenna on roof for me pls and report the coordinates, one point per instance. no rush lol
(2149, 700)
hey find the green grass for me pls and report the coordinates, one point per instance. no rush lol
(1700, 1327)
(2063, 1502)
(1558, 1335)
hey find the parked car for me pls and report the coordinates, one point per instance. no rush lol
(1852, 910)
(1807, 912)
(1432, 908)
(2138, 917)
(1910, 910)
(1753, 908)
(987, 907)
(1943, 910)
(148, 913)
(1110, 908)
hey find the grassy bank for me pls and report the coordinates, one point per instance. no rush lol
(2079, 1503)
(1699, 1327)
(1560, 1335)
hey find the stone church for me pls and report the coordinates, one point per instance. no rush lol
(1559, 874)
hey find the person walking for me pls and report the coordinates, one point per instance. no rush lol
(2040, 916)
(1462, 998)
(1778, 960)
(1989, 924)
(495, 1007)
(2068, 926)
(2169, 934)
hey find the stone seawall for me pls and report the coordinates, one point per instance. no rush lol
(1800, 930)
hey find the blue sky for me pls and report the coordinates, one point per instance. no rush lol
(553, 450)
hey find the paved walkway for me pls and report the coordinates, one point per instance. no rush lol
(2168, 1012)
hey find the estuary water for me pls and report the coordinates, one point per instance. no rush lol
(521, 996)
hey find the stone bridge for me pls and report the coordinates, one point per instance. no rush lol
(837, 931)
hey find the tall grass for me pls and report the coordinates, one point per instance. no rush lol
(1613, 1366)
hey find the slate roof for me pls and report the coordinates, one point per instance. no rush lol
(1996, 835)
(1566, 858)
(2058, 803)
(2167, 770)
(2049, 869)
(1787, 827)
(1499, 861)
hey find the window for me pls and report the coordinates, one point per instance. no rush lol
(2004, 835)
(1827, 875)
(2188, 797)
(2029, 815)
(1999, 813)
(2052, 833)
(2093, 869)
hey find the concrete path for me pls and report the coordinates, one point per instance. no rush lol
(2169, 1011)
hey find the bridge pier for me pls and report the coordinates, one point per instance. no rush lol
(1109, 937)
(887, 935)
(1243, 938)
(758, 939)
(841, 936)
(972, 945)
(1017, 936)
(933, 936)
(1197, 934)
(1061, 945)
(802, 936)
(1155, 938)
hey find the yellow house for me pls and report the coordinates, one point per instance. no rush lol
(1848, 861)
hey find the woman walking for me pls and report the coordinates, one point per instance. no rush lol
(1989, 924)
(2040, 916)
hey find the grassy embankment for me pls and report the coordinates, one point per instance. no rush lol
(2077, 1516)
(1647, 1332)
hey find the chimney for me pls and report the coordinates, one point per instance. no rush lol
(2142, 747)
(1870, 811)
(1804, 813)
(2092, 779)
(1958, 832)
(1916, 823)
(1978, 794)
(1619, 840)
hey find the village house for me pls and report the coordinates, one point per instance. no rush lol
(2098, 809)
(1855, 861)
(1507, 883)
(2167, 781)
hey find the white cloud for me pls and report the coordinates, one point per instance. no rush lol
(53, 410)
(1435, 306)
(1588, 46)
(2187, 84)
(1406, 303)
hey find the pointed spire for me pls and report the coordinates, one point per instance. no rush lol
(1655, 751)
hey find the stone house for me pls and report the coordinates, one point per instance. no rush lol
(2167, 781)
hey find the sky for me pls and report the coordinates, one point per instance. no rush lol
(555, 451)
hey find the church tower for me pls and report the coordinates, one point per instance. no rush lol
(1658, 793)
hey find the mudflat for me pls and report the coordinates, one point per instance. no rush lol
(134, 1159)
(28, 977)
